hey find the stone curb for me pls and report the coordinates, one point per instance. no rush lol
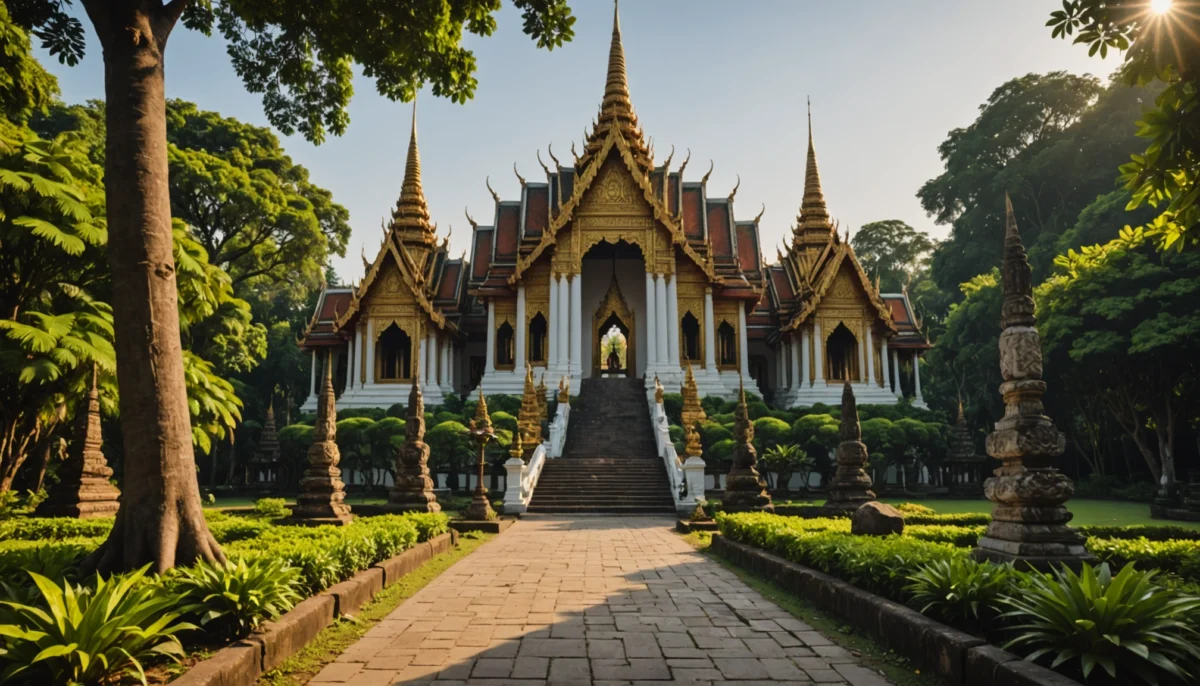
(497, 526)
(685, 526)
(242, 663)
(955, 655)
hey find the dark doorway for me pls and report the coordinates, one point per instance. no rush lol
(690, 327)
(842, 348)
(537, 339)
(504, 347)
(394, 359)
(727, 352)
(614, 347)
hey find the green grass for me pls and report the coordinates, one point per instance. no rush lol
(336, 638)
(897, 667)
(1087, 512)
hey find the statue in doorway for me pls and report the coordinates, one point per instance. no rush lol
(614, 359)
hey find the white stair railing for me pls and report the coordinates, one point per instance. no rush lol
(679, 472)
(522, 477)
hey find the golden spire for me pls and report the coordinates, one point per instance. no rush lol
(616, 109)
(812, 224)
(411, 211)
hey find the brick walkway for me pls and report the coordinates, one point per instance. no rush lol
(599, 600)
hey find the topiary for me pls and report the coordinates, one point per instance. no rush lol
(711, 432)
(444, 416)
(673, 406)
(720, 451)
(504, 403)
(374, 413)
(757, 409)
(770, 432)
(712, 404)
(504, 420)
(398, 410)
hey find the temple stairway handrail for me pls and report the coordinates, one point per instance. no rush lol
(523, 476)
(679, 472)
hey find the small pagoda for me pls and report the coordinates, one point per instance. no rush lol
(413, 490)
(965, 466)
(322, 493)
(850, 486)
(745, 490)
(265, 463)
(84, 490)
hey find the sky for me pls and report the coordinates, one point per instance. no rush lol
(888, 80)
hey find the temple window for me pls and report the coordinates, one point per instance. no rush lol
(504, 347)
(690, 341)
(537, 339)
(727, 353)
(842, 355)
(394, 357)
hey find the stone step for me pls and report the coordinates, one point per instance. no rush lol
(602, 509)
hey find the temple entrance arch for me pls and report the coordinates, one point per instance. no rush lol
(614, 275)
(842, 353)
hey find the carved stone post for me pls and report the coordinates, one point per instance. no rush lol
(83, 490)
(965, 465)
(413, 490)
(480, 509)
(744, 488)
(322, 493)
(851, 485)
(1029, 521)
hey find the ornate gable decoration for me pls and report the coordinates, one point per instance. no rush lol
(832, 283)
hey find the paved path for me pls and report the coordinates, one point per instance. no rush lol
(593, 600)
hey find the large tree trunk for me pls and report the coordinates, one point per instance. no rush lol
(160, 521)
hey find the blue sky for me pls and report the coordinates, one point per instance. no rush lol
(887, 79)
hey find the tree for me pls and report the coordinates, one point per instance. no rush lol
(1121, 319)
(1162, 47)
(298, 55)
(894, 251)
(965, 362)
(25, 87)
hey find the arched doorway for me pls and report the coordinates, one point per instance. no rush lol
(613, 335)
(689, 326)
(393, 360)
(727, 352)
(505, 353)
(842, 353)
(537, 339)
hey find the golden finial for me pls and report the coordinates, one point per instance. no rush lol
(814, 216)
(467, 211)
(692, 413)
(363, 255)
(544, 167)
(519, 177)
(707, 174)
(658, 391)
(736, 186)
(573, 153)
(667, 164)
(495, 195)
(411, 209)
(481, 419)
(616, 88)
(550, 150)
(760, 213)
(685, 162)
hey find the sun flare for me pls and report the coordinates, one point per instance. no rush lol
(1160, 6)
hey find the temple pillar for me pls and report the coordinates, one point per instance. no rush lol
(312, 385)
(350, 362)
(896, 373)
(673, 323)
(660, 317)
(796, 352)
(576, 366)
(870, 352)
(564, 324)
(805, 372)
(884, 375)
(743, 346)
(446, 378)
(651, 327)
(491, 338)
(552, 351)
(710, 333)
(781, 365)
(818, 355)
(519, 358)
(917, 398)
(369, 372)
(422, 354)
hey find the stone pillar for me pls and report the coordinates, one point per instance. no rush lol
(781, 365)
(1029, 521)
(447, 376)
(818, 355)
(673, 323)
(576, 324)
(661, 313)
(745, 489)
(413, 490)
(743, 345)
(918, 399)
(350, 362)
(552, 324)
(805, 371)
(322, 493)
(369, 373)
(710, 333)
(796, 351)
(896, 373)
(312, 386)
(564, 323)
(491, 339)
(651, 327)
(885, 375)
(422, 359)
(870, 357)
(83, 490)
(520, 357)
(851, 485)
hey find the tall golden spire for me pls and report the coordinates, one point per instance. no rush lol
(616, 109)
(812, 224)
(411, 215)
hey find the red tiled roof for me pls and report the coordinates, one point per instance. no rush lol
(506, 231)
(334, 305)
(483, 252)
(747, 242)
(537, 211)
(693, 219)
(448, 288)
(718, 230)
(783, 287)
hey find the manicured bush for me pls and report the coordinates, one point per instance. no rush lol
(673, 406)
(712, 404)
(956, 519)
(230, 600)
(397, 410)
(959, 536)
(719, 451)
(757, 410)
(237, 528)
(443, 416)
(501, 403)
(53, 528)
(769, 432)
(915, 508)
(1153, 532)
(722, 418)
(503, 420)
(1176, 557)
(273, 508)
(675, 432)
(372, 413)
(711, 432)
(961, 591)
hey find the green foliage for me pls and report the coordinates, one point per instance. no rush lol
(273, 508)
(955, 519)
(894, 251)
(712, 404)
(503, 420)
(1152, 532)
(510, 404)
(720, 451)
(961, 591)
(240, 528)
(673, 406)
(25, 86)
(914, 508)
(372, 413)
(1179, 557)
(53, 528)
(73, 635)
(957, 536)
(675, 432)
(56, 560)
(397, 410)
(770, 432)
(1126, 625)
(781, 461)
(757, 410)
(230, 600)
(712, 432)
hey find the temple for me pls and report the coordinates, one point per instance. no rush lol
(615, 246)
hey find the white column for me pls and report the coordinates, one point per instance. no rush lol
(651, 327)
(491, 339)
(350, 362)
(446, 378)
(361, 339)
(796, 350)
(862, 358)
(576, 324)
(781, 365)
(422, 367)
(885, 374)
(896, 373)
(313, 376)
(818, 355)
(552, 326)
(710, 333)
(660, 317)
(917, 399)
(870, 356)
(519, 365)
(370, 371)
(673, 323)
(564, 323)
(743, 346)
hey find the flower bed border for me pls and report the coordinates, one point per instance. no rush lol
(242, 663)
(957, 656)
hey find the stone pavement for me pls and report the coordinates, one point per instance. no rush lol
(592, 600)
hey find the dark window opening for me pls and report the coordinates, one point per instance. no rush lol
(395, 355)
(842, 348)
(537, 339)
(690, 326)
(504, 347)
(727, 353)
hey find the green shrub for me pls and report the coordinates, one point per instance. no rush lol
(1175, 557)
(961, 591)
(1152, 532)
(317, 567)
(429, 524)
(393, 534)
(1127, 625)
(53, 528)
(711, 404)
(675, 432)
(958, 519)
(770, 432)
(444, 416)
(10, 503)
(722, 418)
(711, 432)
(237, 529)
(501, 402)
(56, 560)
(958, 536)
(673, 407)
(719, 451)
(757, 410)
(397, 410)
(915, 508)
(372, 413)
(230, 600)
(77, 636)
(273, 508)
(504, 420)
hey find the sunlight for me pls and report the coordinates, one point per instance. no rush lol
(1160, 6)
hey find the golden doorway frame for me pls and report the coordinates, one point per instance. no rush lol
(614, 304)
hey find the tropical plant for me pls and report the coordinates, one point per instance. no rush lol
(232, 599)
(91, 636)
(961, 591)
(1125, 624)
(781, 461)
(274, 508)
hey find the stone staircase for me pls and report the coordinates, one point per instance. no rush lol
(610, 463)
